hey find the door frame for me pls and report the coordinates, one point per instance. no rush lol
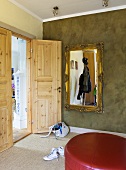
(28, 68)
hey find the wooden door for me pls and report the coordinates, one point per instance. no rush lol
(6, 139)
(46, 84)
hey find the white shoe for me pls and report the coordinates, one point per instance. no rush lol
(60, 150)
(53, 155)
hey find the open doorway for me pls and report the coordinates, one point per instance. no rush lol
(19, 88)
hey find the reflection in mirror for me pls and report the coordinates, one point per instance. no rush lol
(84, 77)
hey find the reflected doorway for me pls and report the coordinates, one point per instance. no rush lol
(19, 92)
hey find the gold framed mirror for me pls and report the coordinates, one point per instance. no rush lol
(84, 77)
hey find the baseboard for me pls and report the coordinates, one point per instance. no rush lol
(84, 130)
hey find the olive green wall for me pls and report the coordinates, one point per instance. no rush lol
(109, 27)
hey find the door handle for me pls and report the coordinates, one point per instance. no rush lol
(59, 89)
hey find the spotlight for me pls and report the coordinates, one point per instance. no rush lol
(55, 10)
(105, 3)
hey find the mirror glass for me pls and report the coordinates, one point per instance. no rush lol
(84, 77)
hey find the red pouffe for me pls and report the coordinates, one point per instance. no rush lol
(95, 151)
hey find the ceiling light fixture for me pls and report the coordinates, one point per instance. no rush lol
(55, 10)
(105, 3)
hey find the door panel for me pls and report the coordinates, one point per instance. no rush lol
(46, 84)
(6, 139)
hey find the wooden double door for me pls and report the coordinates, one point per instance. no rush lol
(43, 86)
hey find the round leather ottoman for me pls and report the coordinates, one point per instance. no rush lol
(96, 151)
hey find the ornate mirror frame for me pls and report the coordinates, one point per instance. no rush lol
(98, 48)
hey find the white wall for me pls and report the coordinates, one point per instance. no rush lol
(18, 20)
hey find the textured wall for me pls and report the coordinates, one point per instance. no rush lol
(109, 27)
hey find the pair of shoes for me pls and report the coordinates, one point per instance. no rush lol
(54, 154)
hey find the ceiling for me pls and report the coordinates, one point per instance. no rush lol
(43, 9)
